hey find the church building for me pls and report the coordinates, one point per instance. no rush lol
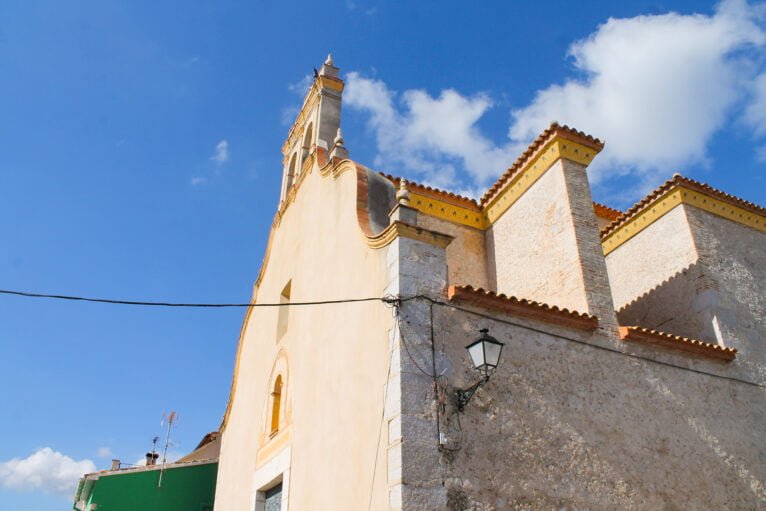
(617, 359)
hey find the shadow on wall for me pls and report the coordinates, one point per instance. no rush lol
(685, 305)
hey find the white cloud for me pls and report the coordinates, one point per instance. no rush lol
(46, 470)
(755, 113)
(301, 86)
(197, 180)
(104, 452)
(432, 137)
(221, 155)
(657, 88)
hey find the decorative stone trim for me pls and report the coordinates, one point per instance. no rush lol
(322, 82)
(665, 340)
(397, 229)
(593, 146)
(523, 175)
(680, 190)
(435, 193)
(447, 211)
(522, 307)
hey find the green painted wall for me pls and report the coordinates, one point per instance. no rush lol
(189, 488)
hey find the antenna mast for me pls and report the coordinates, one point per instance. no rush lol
(171, 418)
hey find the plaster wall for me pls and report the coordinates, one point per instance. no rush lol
(650, 258)
(735, 256)
(532, 249)
(466, 255)
(566, 425)
(335, 358)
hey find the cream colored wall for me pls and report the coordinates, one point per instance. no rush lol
(337, 354)
(466, 255)
(655, 254)
(532, 248)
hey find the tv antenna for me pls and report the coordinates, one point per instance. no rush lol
(171, 418)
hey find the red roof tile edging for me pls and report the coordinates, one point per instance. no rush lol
(655, 337)
(522, 307)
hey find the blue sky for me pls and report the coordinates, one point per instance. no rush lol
(139, 159)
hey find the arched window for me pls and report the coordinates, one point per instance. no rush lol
(276, 400)
(307, 144)
(290, 173)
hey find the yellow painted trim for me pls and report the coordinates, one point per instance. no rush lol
(447, 211)
(325, 82)
(398, 229)
(724, 209)
(669, 200)
(555, 149)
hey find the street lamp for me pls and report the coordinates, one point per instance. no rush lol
(485, 355)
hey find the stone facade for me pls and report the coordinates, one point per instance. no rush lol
(354, 405)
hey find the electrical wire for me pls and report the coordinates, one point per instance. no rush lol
(384, 299)
(578, 341)
(390, 300)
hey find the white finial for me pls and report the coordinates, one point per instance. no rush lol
(329, 61)
(676, 175)
(338, 139)
(403, 194)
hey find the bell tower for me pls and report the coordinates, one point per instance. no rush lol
(317, 125)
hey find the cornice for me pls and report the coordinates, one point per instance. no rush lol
(557, 142)
(665, 340)
(675, 192)
(523, 175)
(400, 229)
(522, 307)
(592, 144)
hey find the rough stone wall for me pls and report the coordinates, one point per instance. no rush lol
(415, 268)
(532, 250)
(568, 425)
(681, 304)
(466, 255)
(735, 255)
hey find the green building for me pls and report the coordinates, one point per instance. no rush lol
(186, 485)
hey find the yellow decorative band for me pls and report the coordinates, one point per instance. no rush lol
(554, 150)
(672, 198)
(446, 211)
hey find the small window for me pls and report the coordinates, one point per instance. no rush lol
(283, 316)
(276, 401)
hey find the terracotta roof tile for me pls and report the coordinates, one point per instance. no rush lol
(655, 337)
(522, 307)
(552, 130)
(606, 212)
(676, 180)
(434, 192)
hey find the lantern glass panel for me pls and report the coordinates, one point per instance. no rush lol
(476, 350)
(492, 353)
